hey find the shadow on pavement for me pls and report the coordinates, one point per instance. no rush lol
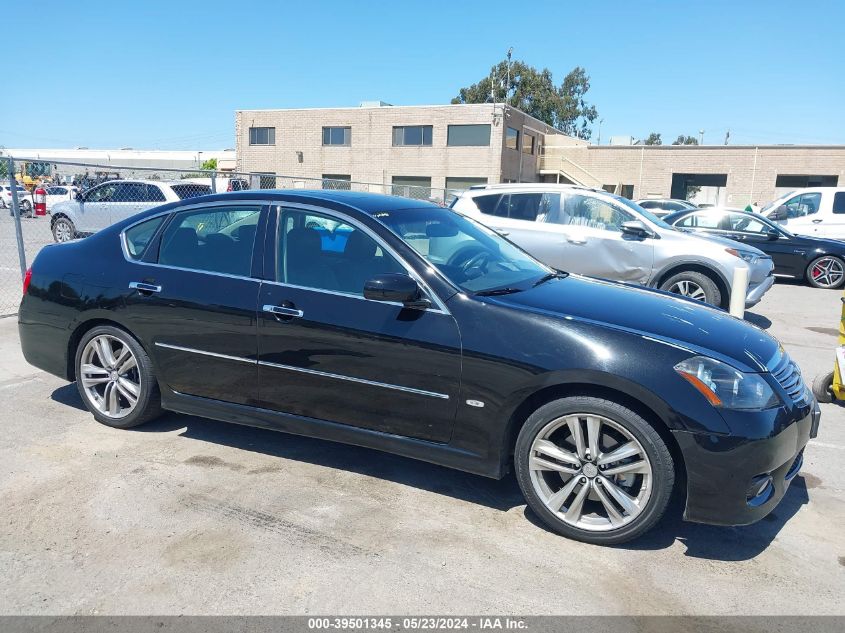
(701, 541)
(758, 319)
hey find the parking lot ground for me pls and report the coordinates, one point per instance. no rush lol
(187, 515)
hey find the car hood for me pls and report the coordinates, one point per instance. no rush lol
(650, 313)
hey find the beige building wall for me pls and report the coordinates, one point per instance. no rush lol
(371, 156)
(751, 171)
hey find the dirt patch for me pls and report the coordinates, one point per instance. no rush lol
(811, 481)
(210, 461)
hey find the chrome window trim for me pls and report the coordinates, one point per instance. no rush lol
(297, 206)
(313, 372)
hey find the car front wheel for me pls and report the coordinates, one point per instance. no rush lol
(593, 470)
(827, 271)
(115, 378)
(63, 229)
(693, 285)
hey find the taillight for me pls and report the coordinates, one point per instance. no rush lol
(26, 279)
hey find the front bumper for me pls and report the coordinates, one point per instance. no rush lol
(756, 292)
(722, 470)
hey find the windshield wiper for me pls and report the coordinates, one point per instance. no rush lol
(496, 291)
(549, 277)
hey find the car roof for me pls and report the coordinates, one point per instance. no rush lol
(476, 190)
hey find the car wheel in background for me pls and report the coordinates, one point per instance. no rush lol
(823, 387)
(26, 208)
(827, 271)
(63, 229)
(693, 285)
(115, 378)
(593, 470)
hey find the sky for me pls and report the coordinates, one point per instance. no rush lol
(170, 75)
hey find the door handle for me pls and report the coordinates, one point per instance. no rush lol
(816, 221)
(576, 240)
(283, 311)
(502, 233)
(141, 287)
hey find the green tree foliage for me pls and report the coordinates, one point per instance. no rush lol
(652, 139)
(209, 165)
(534, 92)
(685, 140)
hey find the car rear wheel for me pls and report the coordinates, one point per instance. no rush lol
(63, 229)
(115, 378)
(26, 208)
(827, 271)
(593, 470)
(693, 285)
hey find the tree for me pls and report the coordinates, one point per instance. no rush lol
(685, 140)
(652, 139)
(534, 92)
(209, 165)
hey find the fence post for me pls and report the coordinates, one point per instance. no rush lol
(214, 182)
(16, 211)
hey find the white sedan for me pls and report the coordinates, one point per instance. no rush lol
(60, 193)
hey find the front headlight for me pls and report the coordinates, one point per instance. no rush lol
(726, 387)
(746, 256)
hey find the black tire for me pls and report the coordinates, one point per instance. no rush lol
(660, 459)
(148, 406)
(712, 295)
(808, 274)
(823, 387)
(26, 208)
(62, 228)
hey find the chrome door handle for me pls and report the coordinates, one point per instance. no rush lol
(817, 220)
(283, 311)
(142, 287)
(576, 240)
(502, 233)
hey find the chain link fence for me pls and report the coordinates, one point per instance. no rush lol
(81, 198)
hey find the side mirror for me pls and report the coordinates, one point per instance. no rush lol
(780, 214)
(78, 196)
(396, 288)
(771, 234)
(636, 228)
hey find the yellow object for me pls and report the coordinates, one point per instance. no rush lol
(837, 387)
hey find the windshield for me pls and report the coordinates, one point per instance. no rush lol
(648, 215)
(469, 254)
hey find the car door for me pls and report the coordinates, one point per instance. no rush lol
(195, 296)
(833, 225)
(593, 242)
(802, 213)
(326, 352)
(749, 229)
(93, 210)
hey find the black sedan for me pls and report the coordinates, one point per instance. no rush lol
(405, 327)
(821, 262)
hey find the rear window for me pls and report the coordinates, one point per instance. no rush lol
(839, 202)
(190, 190)
(139, 236)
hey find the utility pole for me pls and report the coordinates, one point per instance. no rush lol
(727, 136)
(701, 137)
(508, 85)
(599, 139)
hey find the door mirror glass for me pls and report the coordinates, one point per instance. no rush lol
(78, 196)
(396, 288)
(780, 214)
(771, 234)
(636, 228)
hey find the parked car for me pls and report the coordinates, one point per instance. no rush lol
(597, 233)
(24, 199)
(818, 212)
(59, 193)
(821, 262)
(663, 206)
(231, 307)
(115, 200)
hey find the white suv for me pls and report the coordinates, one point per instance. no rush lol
(596, 233)
(817, 212)
(116, 200)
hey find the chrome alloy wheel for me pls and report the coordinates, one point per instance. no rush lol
(63, 231)
(110, 377)
(827, 272)
(689, 289)
(591, 472)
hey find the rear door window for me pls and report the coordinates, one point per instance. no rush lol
(839, 202)
(139, 236)
(190, 190)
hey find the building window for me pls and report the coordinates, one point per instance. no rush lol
(803, 182)
(411, 135)
(512, 138)
(337, 136)
(461, 182)
(468, 135)
(337, 181)
(527, 144)
(262, 136)
(418, 187)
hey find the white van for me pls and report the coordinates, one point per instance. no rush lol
(817, 212)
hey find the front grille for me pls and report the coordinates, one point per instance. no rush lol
(786, 372)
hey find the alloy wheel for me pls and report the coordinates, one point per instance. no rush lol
(688, 289)
(110, 378)
(827, 272)
(63, 231)
(591, 472)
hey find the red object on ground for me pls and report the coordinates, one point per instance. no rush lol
(40, 198)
